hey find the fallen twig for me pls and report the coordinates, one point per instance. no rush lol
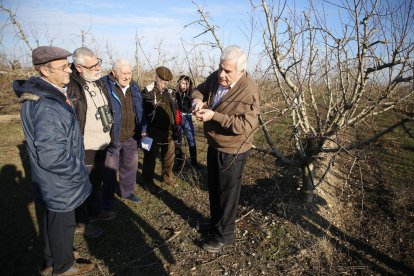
(212, 261)
(248, 213)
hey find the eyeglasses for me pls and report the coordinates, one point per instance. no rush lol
(60, 68)
(93, 67)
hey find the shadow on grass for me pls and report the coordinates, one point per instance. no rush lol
(130, 245)
(20, 250)
(194, 177)
(307, 218)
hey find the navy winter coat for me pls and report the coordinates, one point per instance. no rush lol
(55, 145)
(140, 120)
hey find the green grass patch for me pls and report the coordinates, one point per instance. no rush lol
(278, 243)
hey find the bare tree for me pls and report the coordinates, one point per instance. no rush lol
(324, 81)
(137, 59)
(333, 80)
(109, 52)
(207, 27)
(20, 32)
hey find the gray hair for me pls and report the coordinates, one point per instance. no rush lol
(80, 53)
(234, 52)
(120, 63)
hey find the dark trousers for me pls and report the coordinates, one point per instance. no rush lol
(122, 158)
(58, 230)
(224, 172)
(95, 162)
(167, 159)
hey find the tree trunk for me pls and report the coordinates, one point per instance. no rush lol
(308, 182)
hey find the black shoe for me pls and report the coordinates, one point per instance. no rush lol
(212, 246)
(104, 215)
(148, 186)
(205, 227)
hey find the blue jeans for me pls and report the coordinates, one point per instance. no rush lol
(187, 128)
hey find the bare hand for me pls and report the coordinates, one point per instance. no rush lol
(204, 115)
(197, 105)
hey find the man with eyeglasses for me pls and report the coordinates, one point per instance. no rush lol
(227, 103)
(89, 95)
(128, 128)
(56, 154)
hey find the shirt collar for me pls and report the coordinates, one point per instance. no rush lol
(61, 89)
(234, 83)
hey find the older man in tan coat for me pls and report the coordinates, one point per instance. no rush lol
(228, 104)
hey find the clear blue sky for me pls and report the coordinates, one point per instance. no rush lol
(114, 23)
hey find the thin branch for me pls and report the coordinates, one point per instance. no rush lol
(20, 31)
(207, 26)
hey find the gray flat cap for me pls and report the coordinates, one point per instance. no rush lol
(164, 73)
(45, 54)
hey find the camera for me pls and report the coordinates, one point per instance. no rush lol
(104, 114)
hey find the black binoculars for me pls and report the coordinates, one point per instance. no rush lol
(104, 114)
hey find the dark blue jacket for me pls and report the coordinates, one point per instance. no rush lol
(140, 120)
(55, 145)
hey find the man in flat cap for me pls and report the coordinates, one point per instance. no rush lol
(56, 154)
(159, 108)
(129, 125)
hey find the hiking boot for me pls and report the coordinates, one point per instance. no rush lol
(105, 215)
(77, 269)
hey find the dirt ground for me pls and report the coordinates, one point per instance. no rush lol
(360, 225)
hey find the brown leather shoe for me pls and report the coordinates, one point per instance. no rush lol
(171, 182)
(77, 269)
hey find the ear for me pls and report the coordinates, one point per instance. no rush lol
(44, 71)
(78, 68)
